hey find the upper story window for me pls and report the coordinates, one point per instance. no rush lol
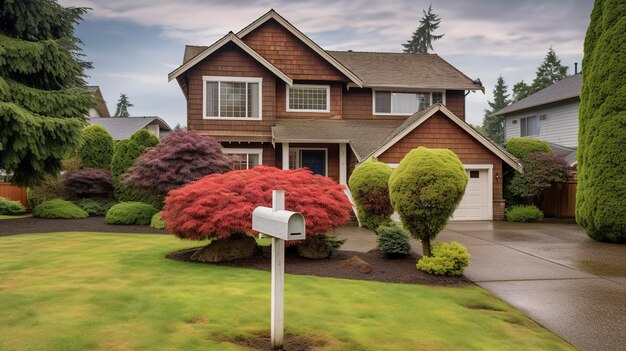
(529, 126)
(232, 97)
(404, 103)
(308, 98)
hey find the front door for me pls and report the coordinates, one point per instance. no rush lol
(315, 160)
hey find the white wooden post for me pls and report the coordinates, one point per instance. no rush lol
(285, 155)
(278, 274)
(343, 164)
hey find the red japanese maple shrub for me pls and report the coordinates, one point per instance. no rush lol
(220, 205)
(88, 182)
(181, 157)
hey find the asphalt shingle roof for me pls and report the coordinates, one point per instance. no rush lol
(124, 127)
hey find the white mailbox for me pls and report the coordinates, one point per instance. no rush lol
(281, 224)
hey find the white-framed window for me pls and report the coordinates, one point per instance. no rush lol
(308, 98)
(244, 158)
(529, 126)
(404, 102)
(232, 98)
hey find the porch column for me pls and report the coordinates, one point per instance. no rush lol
(343, 164)
(285, 155)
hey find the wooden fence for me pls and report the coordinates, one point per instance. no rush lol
(14, 192)
(561, 202)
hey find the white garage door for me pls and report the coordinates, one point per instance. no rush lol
(475, 204)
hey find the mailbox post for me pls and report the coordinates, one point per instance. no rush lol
(280, 225)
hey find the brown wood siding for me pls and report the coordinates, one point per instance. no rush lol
(231, 61)
(269, 154)
(335, 102)
(455, 102)
(439, 132)
(289, 54)
(14, 193)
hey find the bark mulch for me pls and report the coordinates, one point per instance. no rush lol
(398, 270)
(91, 224)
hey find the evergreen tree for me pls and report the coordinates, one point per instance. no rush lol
(122, 106)
(423, 37)
(494, 125)
(43, 102)
(601, 190)
(521, 90)
(550, 72)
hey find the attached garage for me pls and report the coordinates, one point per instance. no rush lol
(477, 204)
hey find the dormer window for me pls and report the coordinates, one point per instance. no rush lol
(308, 98)
(232, 98)
(404, 103)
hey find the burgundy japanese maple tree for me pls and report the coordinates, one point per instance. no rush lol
(181, 157)
(88, 182)
(220, 205)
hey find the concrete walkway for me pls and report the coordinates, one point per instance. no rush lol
(554, 273)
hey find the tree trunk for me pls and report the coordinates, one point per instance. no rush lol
(426, 246)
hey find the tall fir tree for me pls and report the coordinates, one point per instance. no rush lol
(494, 125)
(601, 190)
(122, 106)
(550, 72)
(423, 37)
(43, 101)
(521, 90)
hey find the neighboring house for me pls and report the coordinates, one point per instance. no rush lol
(124, 127)
(272, 96)
(550, 114)
(100, 110)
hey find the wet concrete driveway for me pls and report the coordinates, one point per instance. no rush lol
(553, 272)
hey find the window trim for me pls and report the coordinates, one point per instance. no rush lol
(230, 79)
(327, 110)
(242, 151)
(526, 124)
(429, 92)
(298, 160)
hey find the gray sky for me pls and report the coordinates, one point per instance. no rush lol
(134, 44)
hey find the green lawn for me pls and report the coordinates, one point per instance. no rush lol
(102, 291)
(17, 216)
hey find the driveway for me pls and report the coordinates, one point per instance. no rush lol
(552, 272)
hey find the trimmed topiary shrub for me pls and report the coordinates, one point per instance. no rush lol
(425, 189)
(88, 182)
(10, 207)
(393, 240)
(50, 188)
(446, 259)
(157, 222)
(601, 190)
(96, 148)
(370, 190)
(131, 213)
(59, 209)
(95, 206)
(126, 152)
(523, 147)
(523, 213)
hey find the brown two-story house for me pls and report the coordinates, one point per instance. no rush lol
(272, 96)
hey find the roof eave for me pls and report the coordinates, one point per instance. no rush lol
(504, 111)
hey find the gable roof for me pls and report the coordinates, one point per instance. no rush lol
(402, 70)
(420, 117)
(101, 105)
(121, 128)
(271, 14)
(228, 38)
(564, 89)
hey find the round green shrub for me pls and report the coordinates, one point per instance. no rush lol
(370, 190)
(425, 189)
(523, 213)
(523, 147)
(58, 208)
(393, 241)
(9, 207)
(50, 188)
(126, 152)
(446, 259)
(95, 206)
(96, 148)
(157, 222)
(131, 213)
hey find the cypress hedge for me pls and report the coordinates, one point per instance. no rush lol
(96, 148)
(370, 189)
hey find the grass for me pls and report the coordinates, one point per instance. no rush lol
(102, 291)
(15, 216)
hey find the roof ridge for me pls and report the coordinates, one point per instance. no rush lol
(380, 52)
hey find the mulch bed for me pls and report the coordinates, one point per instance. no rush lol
(399, 270)
(91, 224)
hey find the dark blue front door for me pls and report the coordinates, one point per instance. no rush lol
(315, 160)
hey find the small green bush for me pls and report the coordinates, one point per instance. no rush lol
(446, 259)
(523, 147)
(369, 186)
(157, 222)
(126, 151)
(131, 213)
(50, 188)
(9, 207)
(58, 208)
(393, 240)
(523, 213)
(95, 206)
(96, 148)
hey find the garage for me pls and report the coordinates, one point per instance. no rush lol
(476, 204)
